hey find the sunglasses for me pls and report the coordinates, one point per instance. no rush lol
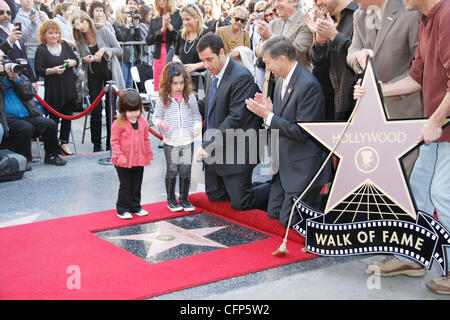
(269, 14)
(240, 20)
(2, 12)
(193, 6)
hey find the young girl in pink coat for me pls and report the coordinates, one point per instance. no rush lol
(131, 149)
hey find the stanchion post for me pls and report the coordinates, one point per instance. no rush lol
(107, 161)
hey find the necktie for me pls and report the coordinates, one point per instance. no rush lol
(212, 93)
(372, 20)
(283, 89)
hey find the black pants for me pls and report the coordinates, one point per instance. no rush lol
(96, 85)
(237, 188)
(179, 160)
(21, 131)
(281, 202)
(67, 110)
(129, 197)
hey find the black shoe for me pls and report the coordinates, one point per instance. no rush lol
(186, 205)
(173, 205)
(98, 148)
(55, 160)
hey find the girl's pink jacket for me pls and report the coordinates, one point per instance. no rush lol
(131, 145)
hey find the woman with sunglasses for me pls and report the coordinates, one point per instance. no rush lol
(187, 39)
(234, 35)
(269, 13)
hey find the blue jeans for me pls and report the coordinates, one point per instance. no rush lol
(2, 131)
(126, 69)
(430, 182)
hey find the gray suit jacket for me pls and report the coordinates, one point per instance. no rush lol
(300, 36)
(394, 49)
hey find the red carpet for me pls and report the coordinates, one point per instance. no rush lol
(37, 259)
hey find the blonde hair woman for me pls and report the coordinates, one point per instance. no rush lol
(233, 35)
(99, 50)
(162, 33)
(126, 29)
(187, 39)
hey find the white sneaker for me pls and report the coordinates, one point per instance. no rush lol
(125, 215)
(141, 213)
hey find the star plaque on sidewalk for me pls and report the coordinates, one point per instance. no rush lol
(370, 208)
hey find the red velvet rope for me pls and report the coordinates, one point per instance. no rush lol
(82, 114)
(156, 134)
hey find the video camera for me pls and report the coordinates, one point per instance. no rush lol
(135, 15)
(13, 67)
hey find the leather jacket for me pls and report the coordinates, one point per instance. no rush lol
(25, 92)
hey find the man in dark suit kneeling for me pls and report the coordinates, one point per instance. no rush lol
(229, 148)
(298, 97)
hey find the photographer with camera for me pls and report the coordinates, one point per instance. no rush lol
(23, 120)
(11, 42)
(126, 27)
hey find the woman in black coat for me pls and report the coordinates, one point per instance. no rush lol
(126, 29)
(162, 33)
(54, 62)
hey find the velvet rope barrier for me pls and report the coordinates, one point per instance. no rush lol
(82, 114)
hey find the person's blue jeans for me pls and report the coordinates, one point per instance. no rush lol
(126, 69)
(430, 182)
(2, 132)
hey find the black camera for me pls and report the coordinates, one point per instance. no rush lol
(135, 15)
(13, 67)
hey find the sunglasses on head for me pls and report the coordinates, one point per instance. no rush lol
(193, 6)
(240, 20)
(2, 12)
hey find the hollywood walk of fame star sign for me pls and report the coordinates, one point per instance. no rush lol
(369, 208)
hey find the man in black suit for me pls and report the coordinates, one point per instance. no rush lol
(298, 97)
(11, 43)
(229, 146)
